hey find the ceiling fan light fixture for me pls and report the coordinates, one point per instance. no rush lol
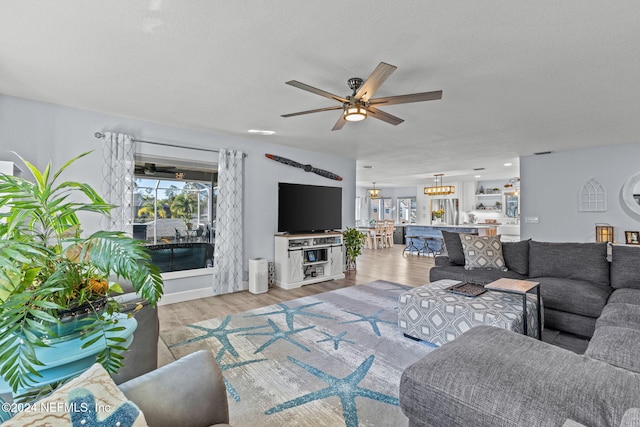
(354, 113)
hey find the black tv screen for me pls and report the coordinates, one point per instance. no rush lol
(309, 208)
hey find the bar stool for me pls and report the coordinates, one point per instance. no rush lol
(410, 245)
(426, 249)
(441, 249)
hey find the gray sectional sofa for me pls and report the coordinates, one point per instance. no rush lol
(494, 377)
(574, 277)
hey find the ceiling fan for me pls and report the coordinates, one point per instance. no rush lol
(360, 104)
(152, 169)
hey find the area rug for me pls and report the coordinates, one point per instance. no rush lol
(332, 359)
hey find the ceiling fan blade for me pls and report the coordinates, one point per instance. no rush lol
(405, 99)
(337, 107)
(375, 80)
(339, 124)
(385, 117)
(317, 91)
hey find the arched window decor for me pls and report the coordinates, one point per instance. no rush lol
(593, 197)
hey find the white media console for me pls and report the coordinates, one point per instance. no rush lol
(302, 259)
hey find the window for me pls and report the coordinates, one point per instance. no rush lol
(407, 210)
(381, 209)
(174, 212)
(171, 211)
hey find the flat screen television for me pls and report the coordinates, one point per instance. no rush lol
(309, 208)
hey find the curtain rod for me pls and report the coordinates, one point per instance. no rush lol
(101, 135)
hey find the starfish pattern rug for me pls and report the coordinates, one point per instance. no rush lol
(332, 359)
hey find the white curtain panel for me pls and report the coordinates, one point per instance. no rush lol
(228, 259)
(117, 186)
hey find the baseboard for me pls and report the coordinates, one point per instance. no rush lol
(189, 295)
(174, 297)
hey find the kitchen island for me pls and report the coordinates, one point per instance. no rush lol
(427, 239)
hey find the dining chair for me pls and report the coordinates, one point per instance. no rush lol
(390, 226)
(369, 242)
(379, 235)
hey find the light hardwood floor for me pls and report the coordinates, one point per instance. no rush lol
(374, 264)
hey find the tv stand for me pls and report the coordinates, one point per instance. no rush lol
(302, 259)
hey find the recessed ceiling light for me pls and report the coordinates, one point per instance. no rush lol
(262, 132)
(508, 164)
(478, 176)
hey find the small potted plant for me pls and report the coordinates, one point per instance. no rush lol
(353, 242)
(438, 215)
(55, 282)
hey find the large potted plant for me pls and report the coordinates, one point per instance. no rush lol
(49, 272)
(353, 242)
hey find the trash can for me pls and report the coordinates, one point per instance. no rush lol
(258, 276)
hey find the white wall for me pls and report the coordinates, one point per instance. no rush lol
(550, 185)
(41, 132)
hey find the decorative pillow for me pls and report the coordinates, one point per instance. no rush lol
(454, 247)
(90, 400)
(625, 267)
(516, 256)
(577, 261)
(482, 252)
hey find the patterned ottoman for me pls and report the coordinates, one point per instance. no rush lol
(432, 314)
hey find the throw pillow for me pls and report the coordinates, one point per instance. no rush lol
(577, 261)
(516, 256)
(454, 247)
(625, 268)
(482, 252)
(91, 399)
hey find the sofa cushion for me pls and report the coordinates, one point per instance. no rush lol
(631, 418)
(442, 261)
(576, 324)
(482, 252)
(458, 272)
(617, 346)
(516, 256)
(625, 267)
(625, 295)
(578, 261)
(453, 246)
(574, 296)
(494, 377)
(620, 314)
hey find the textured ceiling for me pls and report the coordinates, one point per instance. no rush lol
(518, 77)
